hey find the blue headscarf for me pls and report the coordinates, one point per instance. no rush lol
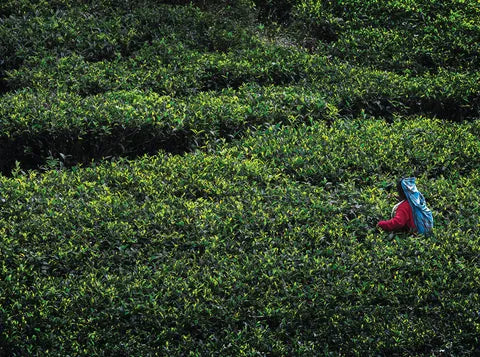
(421, 214)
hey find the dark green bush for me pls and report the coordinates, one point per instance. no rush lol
(175, 70)
(405, 37)
(225, 254)
(275, 10)
(36, 125)
(277, 131)
(170, 67)
(77, 30)
(363, 149)
(35, 121)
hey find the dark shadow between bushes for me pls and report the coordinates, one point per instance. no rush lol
(34, 152)
(3, 85)
(445, 108)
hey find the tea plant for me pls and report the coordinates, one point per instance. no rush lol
(205, 178)
(228, 253)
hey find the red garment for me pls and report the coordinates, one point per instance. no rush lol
(403, 219)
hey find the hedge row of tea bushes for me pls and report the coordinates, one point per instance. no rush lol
(407, 146)
(170, 67)
(407, 37)
(173, 69)
(37, 125)
(105, 30)
(257, 248)
(403, 36)
(100, 32)
(364, 150)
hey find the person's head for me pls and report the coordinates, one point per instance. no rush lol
(401, 193)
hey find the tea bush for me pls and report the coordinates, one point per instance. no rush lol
(77, 30)
(362, 149)
(413, 37)
(225, 253)
(36, 125)
(275, 132)
(167, 67)
(175, 70)
(95, 126)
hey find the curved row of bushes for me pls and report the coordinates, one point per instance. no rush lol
(85, 30)
(361, 149)
(364, 151)
(226, 253)
(401, 36)
(173, 69)
(35, 125)
(133, 121)
(168, 67)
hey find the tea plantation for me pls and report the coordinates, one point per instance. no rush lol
(205, 178)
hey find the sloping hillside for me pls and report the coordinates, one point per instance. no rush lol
(205, 178)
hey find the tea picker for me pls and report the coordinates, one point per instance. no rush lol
(411, 213)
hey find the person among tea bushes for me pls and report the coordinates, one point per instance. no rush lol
(411, 213)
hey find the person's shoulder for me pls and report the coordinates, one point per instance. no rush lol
(405, 206)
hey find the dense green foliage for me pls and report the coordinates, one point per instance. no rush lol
(251, 147)
(180, 51)
(265, 246)
(413, 36)
(37, 125)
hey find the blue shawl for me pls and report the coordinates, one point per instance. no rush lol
(421, 214)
